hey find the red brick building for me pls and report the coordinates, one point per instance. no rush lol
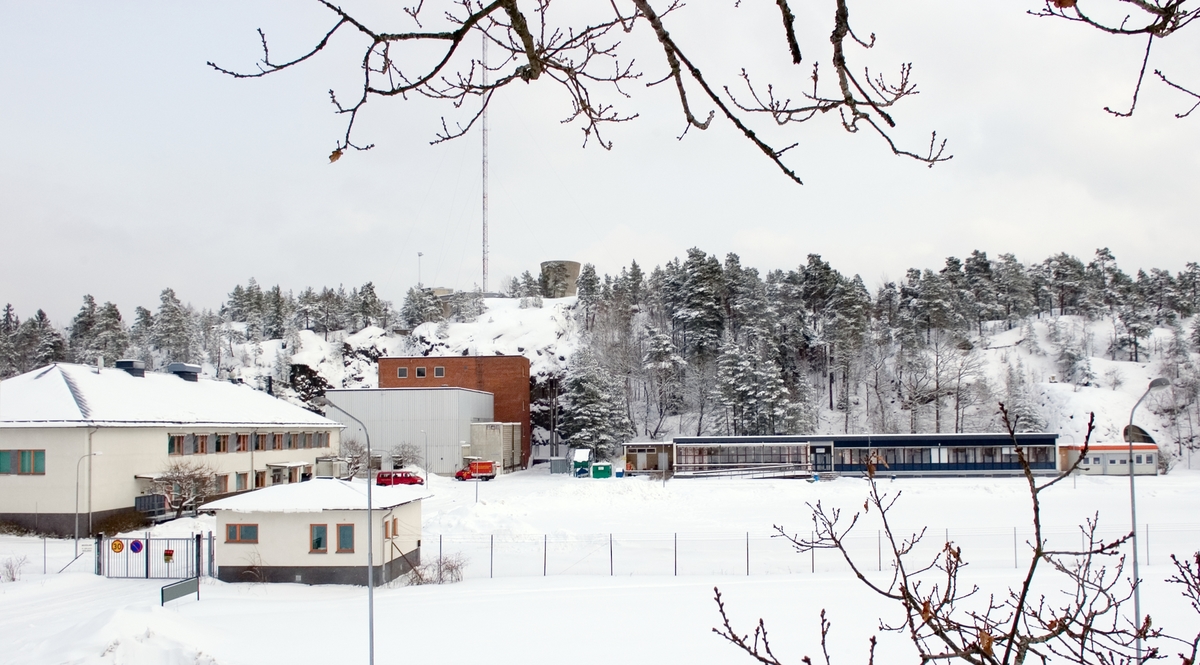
(506, 377)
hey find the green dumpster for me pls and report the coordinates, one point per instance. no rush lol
(602, 470)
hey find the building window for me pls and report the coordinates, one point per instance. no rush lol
(243, 443)
(395, 523)
(1139, 459)
(260, 478)
(439, 372)
(241, 533)
(278, 442)
(1149, 459)
(345, 535)
(241, 482)
(222, 443)
(318, 536)
(420, 372)
(175, 444)
(386, 532)
(222, 484)
(402, 373)
(201, 444)
(23, 462)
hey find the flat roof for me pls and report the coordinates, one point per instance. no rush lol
(874, 440)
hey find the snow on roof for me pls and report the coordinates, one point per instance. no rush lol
(66, 395)
(317, 495)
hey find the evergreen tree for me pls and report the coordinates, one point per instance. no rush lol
(9, 323)
(588, 289)
(420, 307)
(82, 331)
(1014, 289)
(592, 413)
(174, 331)
(110, 339)
(1019, 402)
(141, 335)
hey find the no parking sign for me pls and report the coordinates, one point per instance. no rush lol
(135, 547)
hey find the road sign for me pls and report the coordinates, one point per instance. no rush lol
(118, 546)
(135, 546)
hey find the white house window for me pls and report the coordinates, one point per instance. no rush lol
(241, 533)
(319, 538)
(1138, 460)
(345, 538)
(439, 372)
(402, 373)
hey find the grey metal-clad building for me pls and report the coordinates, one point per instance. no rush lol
(398, 415)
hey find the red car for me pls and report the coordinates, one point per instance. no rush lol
(398, 478)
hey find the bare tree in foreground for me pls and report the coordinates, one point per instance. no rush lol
(946, 618)
(579, 46)
(185, 483)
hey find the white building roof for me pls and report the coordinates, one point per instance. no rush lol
(317, 495)
(66, 395)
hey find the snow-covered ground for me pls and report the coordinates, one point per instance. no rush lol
(581, 614)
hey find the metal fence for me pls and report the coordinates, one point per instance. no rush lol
(155, 558)
(764, 553)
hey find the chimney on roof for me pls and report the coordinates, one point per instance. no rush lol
(185, 371)
(133, 367)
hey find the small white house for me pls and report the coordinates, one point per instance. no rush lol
(87, 440)
(315, 532)
(1112, 459)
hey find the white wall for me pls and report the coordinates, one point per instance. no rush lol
(398, 415)
(125, 452)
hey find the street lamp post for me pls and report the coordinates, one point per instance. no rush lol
(426, 457)
(1156, 384)
(77, 466)
(324, 401)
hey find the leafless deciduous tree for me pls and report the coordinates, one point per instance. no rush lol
(948, 619)
(185, 483)
(579, 46)
(1152, 19)
(407, 454)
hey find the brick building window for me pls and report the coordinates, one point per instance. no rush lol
(402, 373)
(439, 372)
(420, 372)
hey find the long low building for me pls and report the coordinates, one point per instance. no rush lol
(89, 441)
(893, 454)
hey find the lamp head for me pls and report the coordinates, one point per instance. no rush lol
(1159, 384)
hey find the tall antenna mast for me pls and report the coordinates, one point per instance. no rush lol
(485, 164)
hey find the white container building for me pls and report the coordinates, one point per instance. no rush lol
(436, 420)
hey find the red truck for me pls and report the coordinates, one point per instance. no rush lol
(476, 468)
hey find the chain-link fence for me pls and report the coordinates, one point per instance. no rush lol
(766, 553)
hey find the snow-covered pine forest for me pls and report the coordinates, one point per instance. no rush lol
(702, 345)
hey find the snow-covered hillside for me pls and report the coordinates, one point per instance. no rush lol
(549, 337)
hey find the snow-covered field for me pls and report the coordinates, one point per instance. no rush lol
(581, 614)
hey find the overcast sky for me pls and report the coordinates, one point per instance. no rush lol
(129, 166)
